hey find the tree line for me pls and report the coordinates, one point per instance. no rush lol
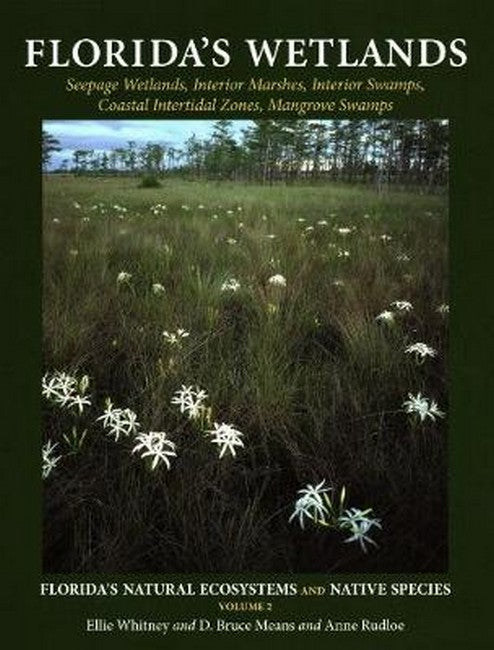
(398, 152)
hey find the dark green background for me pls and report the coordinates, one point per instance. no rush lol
(28, 96)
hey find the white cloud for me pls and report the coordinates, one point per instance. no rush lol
(100, 134)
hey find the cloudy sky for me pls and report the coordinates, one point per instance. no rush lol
(110, 134)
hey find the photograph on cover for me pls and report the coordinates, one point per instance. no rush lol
(244, 346)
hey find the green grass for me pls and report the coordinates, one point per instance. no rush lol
(305, 372)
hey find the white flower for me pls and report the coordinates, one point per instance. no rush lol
(80, 401)
(338, 283)
(359, 526)
(230, 285)
(310, 504)
(343, 231)
(190, 400)
(158, 209)
(58, 387)
(183, 397)
(424, 407)
(443, 309)
(119, 422)
(226, 436)
(386, 316)
(277, 280)
(322, 222)
(49, 462)
(385, 238)
(124, 277)
(402, 305)
(359, 523)
(306, 507)
(63, 389)
(175, 338)
(315, 491)
(155, 444)
(420, 350)
(231, 240)
(343, 253)
(355, 516)
(158, 289)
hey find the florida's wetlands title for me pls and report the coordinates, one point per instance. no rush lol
(245, 340)
(291, 53)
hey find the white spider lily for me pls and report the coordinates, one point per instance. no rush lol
(156, 445)
(421, 351)
(80, 401)
(311, 504)
(386, 316)
(158, 209)
(183, 397)
(402, 305)
(443, 309)
(424, 407)
(277, 280)
(59, 387)
(354, 516)
(119, 422)
(315, 492)
(227, 437)
(65, 390)
(175, 338)
(158, 289)
(190, 400)
(123, 277)
(49, 461)
(230, 285)
(307, 507)
(359, 529)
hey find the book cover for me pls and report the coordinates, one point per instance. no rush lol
(246, 382)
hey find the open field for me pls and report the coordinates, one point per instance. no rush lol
(313, 381)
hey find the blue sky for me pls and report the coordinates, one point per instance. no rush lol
(110, 134)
